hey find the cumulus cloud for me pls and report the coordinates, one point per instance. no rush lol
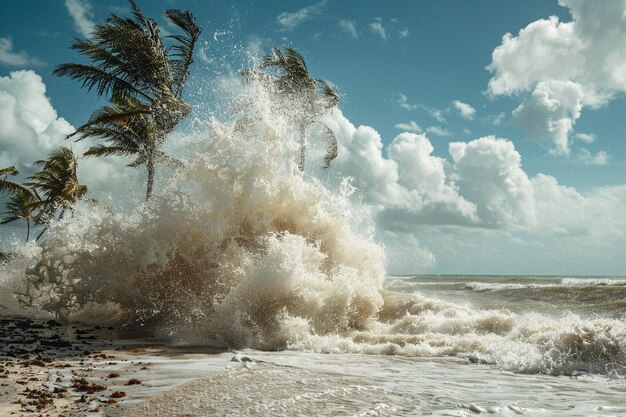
(82, 14)
(289, 21)
(482, 185)
(11, 58)
(404, 33)
(491, 176)
(30, 125)
(377, 28)
(551, 112)
(583, 59)
(465, 110)
(411, 126)
(349, 26)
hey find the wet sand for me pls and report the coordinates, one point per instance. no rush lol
(49, 369)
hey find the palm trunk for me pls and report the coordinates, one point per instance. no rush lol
(27, 230)
(150, 178)
(302, 148)
(41, 234)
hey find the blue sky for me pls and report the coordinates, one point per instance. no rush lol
(553, 91)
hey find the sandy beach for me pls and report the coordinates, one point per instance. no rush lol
(65, 370)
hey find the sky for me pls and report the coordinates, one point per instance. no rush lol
(488, 135)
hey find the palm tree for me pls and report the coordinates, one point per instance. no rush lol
(128, 136)
(21, 202)
(289, 74)
(143, 77)
(10, 187)
(21, 207)
(57, 184)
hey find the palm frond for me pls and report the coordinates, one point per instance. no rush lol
(110, 115)
(12, 188)
(9, 171)
(328, 94)
(141, 159)
(102, 150)
(96, 78)
(57, 181)
(183, 50)
(331, 144)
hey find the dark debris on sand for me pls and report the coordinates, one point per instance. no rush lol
(34, 352)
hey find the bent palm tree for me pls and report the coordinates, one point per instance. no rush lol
(21, 207)
(57, 183)
(143, 77)
(288, 72)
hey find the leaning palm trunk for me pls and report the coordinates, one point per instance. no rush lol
(150, 165)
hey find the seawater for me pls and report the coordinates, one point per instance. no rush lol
(243, 250)
(460, 362)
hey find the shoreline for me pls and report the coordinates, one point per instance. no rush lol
(64, 370)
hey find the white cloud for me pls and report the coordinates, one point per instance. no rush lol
(438, 131)
(551, 112)
(82, 14)
(11, 58)
(377, 28)
(403, 101)
(404, 33)
(491, 176)
(30, 125)
(565, 211)
(583, 50)
(585, 137)
(256, 46)
(349, 26)
(587, 158)
(411, 126)
(495, 119)
(465, 110)
(437, 114)
(482, 186)
(289, 21)
(587, 51)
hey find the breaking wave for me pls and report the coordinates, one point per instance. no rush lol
(245, 250)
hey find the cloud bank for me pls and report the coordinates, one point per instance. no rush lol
(481, 186)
